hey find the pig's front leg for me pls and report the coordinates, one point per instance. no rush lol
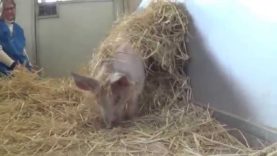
(132, 108)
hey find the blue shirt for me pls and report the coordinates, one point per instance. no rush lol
(13, 44)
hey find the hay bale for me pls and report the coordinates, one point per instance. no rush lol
(159, 34)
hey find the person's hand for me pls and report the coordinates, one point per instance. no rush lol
(36, 69)
(13, 65)
(18, 66)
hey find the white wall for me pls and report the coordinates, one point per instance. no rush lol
(234, 56)
(65, 43)
(132, 5)
(25, 17)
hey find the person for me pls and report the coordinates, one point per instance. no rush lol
(12, 41)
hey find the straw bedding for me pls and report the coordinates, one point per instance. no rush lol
(44, 116)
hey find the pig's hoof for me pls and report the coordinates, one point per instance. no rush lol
(127, 117)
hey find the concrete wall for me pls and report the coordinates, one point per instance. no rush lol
(60, 45)
(66, 43)
(25, 16)
(132, 5)
(234, 57)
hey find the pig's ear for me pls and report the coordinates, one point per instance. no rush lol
(119, 82)
(86, 83)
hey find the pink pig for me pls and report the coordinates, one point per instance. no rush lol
(117, 85)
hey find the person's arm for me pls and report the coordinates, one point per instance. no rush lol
(5, 59)
(28, 62)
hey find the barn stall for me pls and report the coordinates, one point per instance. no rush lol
(41, 115)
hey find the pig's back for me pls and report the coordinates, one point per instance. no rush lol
(127, 61)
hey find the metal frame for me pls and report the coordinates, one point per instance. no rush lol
(50, 16)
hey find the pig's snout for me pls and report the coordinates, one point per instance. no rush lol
(112, 123)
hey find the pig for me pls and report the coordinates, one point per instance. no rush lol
(117, 85)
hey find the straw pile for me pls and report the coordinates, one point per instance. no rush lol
(40, 116)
